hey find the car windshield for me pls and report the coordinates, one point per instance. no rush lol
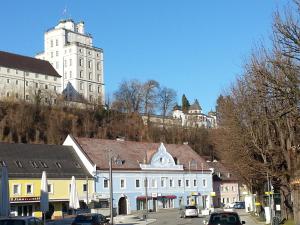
(190, 207)
(224, 219)
(12, 222)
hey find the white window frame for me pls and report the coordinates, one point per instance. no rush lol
(104, 183)
(179, 182)
(122, 179)
(171, 182)
(19, 189)
(204, 182)
(139, 183)
(51, 189)
(85, 184)
(187, 183)
(154, 181)
(31, 193)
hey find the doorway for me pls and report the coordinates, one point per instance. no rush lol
(122, 205)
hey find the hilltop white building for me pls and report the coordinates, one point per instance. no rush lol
(194, 116)
(28, 79)
(71, 52)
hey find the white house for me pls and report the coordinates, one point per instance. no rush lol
(71, 52)
(194, 116)
(23, 77)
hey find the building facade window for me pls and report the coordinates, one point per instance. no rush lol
(56, 42)
(122, 183)
(137, 184)
(171, 182)
(195, 183)
(51, 43)
(98, 66)
(81, 86)
(90, 64)
(84, 187)
(56, 53)
(154, 183)
(70, 74)
(187, 183)
(90, 87)
(90, 76)
(70, 62)
(29, 189)
(7, 81)
(17, 82)
(16, 189)
(179, 183)
(105, 183)
(98, 77)
(204, 183)
(81, 74)
(80, 62)
(50, 188)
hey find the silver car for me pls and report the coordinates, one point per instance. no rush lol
(189, 211)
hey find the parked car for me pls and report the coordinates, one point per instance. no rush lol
(230, 205)
(90, 219)
(239, 205)
(224, 218)
(20, 220)
(189, 211)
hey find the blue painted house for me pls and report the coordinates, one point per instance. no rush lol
(165, 176)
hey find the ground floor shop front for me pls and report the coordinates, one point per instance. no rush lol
(31, 207)
(125, 204)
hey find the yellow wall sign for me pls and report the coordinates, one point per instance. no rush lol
(257, 203)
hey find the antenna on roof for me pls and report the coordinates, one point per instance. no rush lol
(65, 12)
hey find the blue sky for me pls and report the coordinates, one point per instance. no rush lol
(196, 47)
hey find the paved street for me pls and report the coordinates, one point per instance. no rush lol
(163, 217)
(171, 217)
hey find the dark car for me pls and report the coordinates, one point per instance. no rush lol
(239, 205)
(225, 218)
(90, 219)
(20, 220)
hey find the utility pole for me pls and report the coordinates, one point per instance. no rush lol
(146, 193)
(269, 190)
(87, 191)
(111, 189)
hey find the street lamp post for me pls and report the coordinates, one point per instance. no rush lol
(146, 194)
(118, 161)
(111, 190)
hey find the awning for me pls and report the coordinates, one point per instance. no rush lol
(143, 197)
(168, 196)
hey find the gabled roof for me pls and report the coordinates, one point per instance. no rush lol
(135, 153)
(195, 106)
(26, 63)
(220, 168)
(41, 155)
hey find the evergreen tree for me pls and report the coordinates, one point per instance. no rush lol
(185, 104)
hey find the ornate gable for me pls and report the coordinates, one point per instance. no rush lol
(161, 160)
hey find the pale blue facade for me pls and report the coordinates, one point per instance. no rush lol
(169, 185)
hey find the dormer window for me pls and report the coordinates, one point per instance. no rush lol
(44, 165)
(175, 160)
(161, 159)
(229, 175)
(19, 164)
(2, 163)
(34, 164)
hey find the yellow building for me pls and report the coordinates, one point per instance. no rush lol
(25, 164)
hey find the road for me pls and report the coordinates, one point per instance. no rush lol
(171, 217)
(163, 217)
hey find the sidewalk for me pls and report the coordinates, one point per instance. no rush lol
(132, 219)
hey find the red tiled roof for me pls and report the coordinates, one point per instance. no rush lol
(135, 153)
(26, 63)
